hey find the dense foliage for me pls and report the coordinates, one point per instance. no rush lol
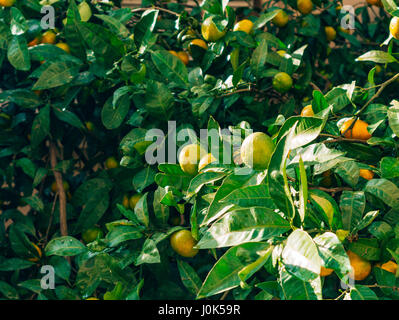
(319, 221)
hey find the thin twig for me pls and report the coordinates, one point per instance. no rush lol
(375, 96)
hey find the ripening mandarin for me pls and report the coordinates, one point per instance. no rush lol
(205, 160)
(199, 43)
(210, 31)
(389, 266)
(394, 27)
(361, 267)
(256, 150)
(307, 111)
(281, 19)
(7, 3)
(358, 131)
(305, 6)
(366, 174)
(189, 158)
(182, 242)
(244, 25)
(325, 272)
(331, 34)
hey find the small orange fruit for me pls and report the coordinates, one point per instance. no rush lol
(305, 6)
(307, 111)
(182, 242)
(325, 272)
(358, 131)
(389, 266)
(281, 19)
(49, 37)
(64, 46)
(361, 267)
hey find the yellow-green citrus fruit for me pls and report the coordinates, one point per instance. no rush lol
(281, 19)
(189, 157)
(305, 6)
(84, 11)
(389, 266)
(244, 25)
(54, 186)
(89, 126)
(256, 150)
(282, 82)
(307, 111)
(331, 34)
(210, 31)
(358, 131)
(342, 234)
(91, 234)
(49, 37)
(281, 53)
(7, 3)
(394, 27)
(64, 47)
(205, 160)
(133, 200)
(325, 272)
(111, 163)
(361, 267)
(199, 43)
(182, 242)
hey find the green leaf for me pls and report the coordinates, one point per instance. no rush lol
(161, 211)
(56, 74)
(189, 277)
(303, 190)
(301, 257)
(170, 67)
(121, 234)
(389, 168)
(244, 225)
(18, 54)
(141, 210)
(385, 190)
(224, 274)
(158, 100)
(8, 291)
(65, 246)
(367, 248)
(149, 253)
(393, 118)
(202, 179)
(377, 56)
(112, 117)
(362, 293)
(352, 205)
(250, 196)
(40, 126)
(294, 288)
(258, 58)
(333, 254)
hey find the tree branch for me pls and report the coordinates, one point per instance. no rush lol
(61, 191)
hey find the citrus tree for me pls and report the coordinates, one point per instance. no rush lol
(108, 186)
